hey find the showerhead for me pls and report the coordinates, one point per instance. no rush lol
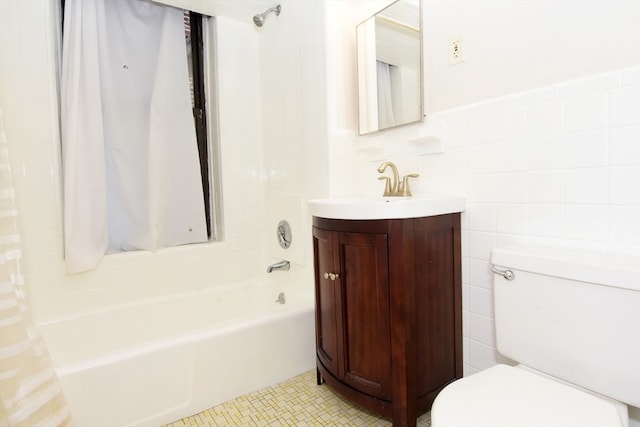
(259, 19)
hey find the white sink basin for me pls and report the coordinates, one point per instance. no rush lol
(386, 207)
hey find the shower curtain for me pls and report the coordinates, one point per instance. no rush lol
(130, 160)
(367, 81)
(386, 117)
(30, 394)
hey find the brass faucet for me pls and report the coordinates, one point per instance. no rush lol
(389, 190)
(398, 188)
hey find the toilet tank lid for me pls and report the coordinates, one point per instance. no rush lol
(622, 271)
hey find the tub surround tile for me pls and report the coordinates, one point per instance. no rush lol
(544, 119)
(546, 186)
(480, 274)
(510, 125)
(480, 188)
(481, 159)
(480, 130)
(585, 112)
(511, 188)
(480, 244)
(545, 152)
(623, 146)
(511, 156)
(586, 222)
(620, 192)
(481, 301)
(511, 218)
(624, 106)
(482, 216)
(625, 224)
(456, 134)
(481, 329)
(585, 149)
(546, 220)
(586, 186)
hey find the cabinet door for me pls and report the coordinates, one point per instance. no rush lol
(328, 346)
(365, 323)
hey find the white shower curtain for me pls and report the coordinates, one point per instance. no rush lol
(386, 117)
(130, 159)
(30, 395)
(367, 82)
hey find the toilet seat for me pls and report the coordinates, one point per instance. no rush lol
(506, 396)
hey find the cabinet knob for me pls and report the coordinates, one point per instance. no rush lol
(331, 276)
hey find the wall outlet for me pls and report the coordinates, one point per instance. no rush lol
(456, 49)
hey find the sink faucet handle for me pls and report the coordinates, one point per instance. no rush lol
(387, 186)
(404, 189)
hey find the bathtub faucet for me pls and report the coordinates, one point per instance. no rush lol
(282, 265)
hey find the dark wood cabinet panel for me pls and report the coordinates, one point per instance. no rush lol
(438, 304)
(364, 291)
(388, 310)
(327, 303)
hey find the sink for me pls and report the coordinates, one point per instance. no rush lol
(386, 207)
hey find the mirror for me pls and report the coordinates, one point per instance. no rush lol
(390, 67)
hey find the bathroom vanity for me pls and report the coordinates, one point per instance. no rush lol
(388, 307)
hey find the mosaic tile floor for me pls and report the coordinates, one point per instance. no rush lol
(297, 402)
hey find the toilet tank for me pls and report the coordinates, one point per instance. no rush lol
(572, 315)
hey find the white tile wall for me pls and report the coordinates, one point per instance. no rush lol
(623, 145)
(28, 97)
(555, 166)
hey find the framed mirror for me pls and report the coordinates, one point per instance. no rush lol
(390, 67)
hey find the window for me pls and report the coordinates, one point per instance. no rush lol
(128, 132)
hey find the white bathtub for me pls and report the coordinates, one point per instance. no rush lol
(150, 363)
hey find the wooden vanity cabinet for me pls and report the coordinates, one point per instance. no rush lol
(388, 310)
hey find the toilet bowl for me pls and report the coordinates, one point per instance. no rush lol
(566, 318)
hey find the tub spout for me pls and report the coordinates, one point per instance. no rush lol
(282, 265)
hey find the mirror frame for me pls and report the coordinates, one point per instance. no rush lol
(360, 72)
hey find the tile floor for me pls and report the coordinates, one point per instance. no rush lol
(296, 402)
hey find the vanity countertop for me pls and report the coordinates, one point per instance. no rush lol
(386, 207)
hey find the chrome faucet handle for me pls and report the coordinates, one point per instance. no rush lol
(404, 189)
(387, 186)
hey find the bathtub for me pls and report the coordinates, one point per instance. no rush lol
(150, 363)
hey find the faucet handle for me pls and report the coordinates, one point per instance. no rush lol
(387, 186)
(405, 190)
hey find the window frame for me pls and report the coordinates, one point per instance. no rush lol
(200, 109)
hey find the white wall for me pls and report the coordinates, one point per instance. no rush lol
(511, 46)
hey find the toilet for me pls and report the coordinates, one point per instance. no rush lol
(570, 322)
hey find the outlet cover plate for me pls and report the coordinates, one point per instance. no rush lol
(456, 49)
